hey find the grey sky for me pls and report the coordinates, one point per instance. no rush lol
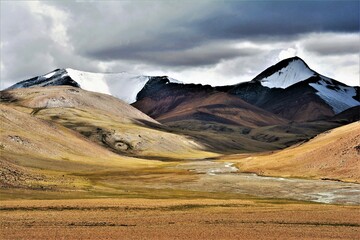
(213, 42)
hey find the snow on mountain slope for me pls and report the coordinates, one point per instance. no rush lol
(296, 71)
(338, 97)
(124, 86)
(94, 82)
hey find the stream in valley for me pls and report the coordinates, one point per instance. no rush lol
(225, 177)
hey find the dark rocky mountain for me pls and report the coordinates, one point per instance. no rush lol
(58, 77)
(207, 105)
(348, 116)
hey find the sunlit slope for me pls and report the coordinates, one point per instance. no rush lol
(105, 120)
(33, 150)
(334, 154)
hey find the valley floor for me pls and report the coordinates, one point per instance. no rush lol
(176, 219)
(191, 200)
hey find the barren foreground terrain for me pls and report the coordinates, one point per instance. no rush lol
(176, 219)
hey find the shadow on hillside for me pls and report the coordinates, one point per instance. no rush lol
(7, 97)
(229, 139)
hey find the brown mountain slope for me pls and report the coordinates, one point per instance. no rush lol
(298, 102)
(334, 154)
(222, 122)
(208, 107)
(348, 116)
(71, 97)
(104, 120)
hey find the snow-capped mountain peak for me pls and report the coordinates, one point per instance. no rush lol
(285, 73)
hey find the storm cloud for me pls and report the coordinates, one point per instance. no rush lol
(197, 56)
(208, 42)
(279, 19)
(333, 44)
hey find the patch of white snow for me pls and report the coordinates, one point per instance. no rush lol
(124, 86)
(49, 75)
(94, 82)
(172, 80)
(339, 99)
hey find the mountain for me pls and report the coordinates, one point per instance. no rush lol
(169, 102)
(289, 89)
(250, 116)
(124, 86)
(102, 119)
(220, 120)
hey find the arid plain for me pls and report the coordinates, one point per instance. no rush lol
(199, 218)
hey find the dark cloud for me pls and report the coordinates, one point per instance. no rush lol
(122, 31)
(334, 45)
(201, 56)
(204, 55)
(244, 19)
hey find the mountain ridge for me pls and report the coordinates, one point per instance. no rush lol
(122, 85)
(272, 90)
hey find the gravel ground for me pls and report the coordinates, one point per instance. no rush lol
(176, 219)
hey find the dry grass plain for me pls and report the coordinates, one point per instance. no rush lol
(176, 219)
